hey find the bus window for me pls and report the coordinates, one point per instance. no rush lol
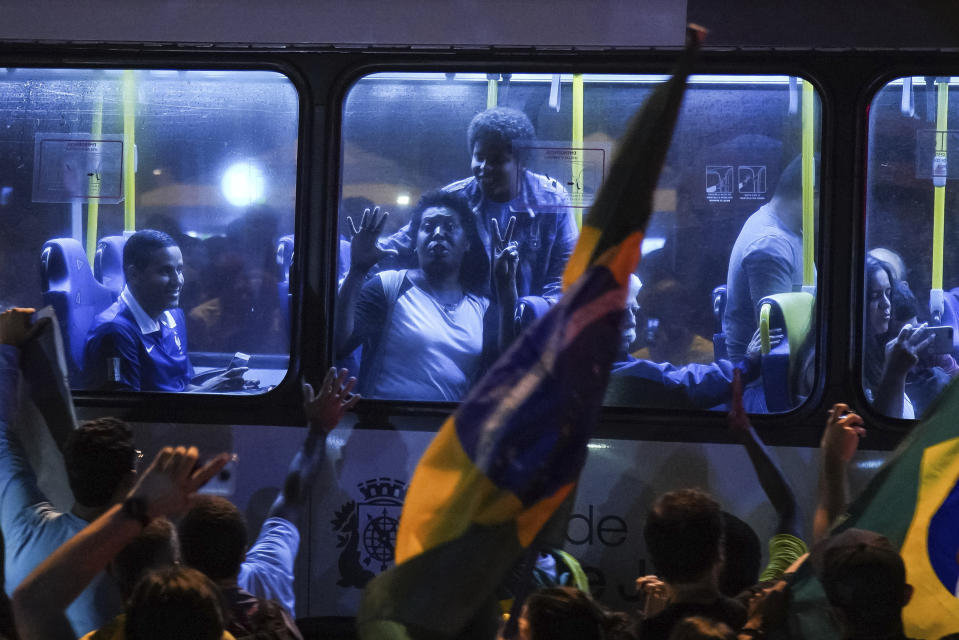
(154, 210)
(443, 162)
(910, 273)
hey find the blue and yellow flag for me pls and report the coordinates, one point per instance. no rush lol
(502, 464)
(914, 502)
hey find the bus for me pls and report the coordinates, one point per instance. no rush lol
(252, 133)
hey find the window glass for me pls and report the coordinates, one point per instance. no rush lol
(92, 159)
(418, 313)
(911, 271)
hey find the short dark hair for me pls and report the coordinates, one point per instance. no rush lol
(863, 576)
(475, 269)
(178, 602)
(501, 126)
(155, 548)
(213, 537)
(98, 455)
(683, 533)
(790, 180)
(903, 301)
(742, 556)
(565, 613)
(141, 245)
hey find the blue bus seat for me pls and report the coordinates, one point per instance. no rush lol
(528, 310)
(950, 316)
(783, 367)
(284, 262)
(108, 264)
(719, 311)
(75, 295)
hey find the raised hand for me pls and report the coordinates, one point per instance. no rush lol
(325, 409)
(173, 478)
(754, 348)
(842, 434)
(505, 258)
(902, 352)
(16, 326)
(364, 252)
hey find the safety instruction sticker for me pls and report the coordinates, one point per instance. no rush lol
(579, 170)
(71, 167)
(937, 155)
(726, 181)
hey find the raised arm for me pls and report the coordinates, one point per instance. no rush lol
(771, 477)
(902, 354)
(839, 443)
(364, 253)
(505, 260)
(324, 410)
(164, 489)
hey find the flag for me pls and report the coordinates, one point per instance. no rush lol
(914, 502)
(501, 465)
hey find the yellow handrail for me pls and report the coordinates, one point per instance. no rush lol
(576, 142)
(764, 314)
(94, 181)
(808, 184)
(939, 188)
(492, 90)
(129, 149)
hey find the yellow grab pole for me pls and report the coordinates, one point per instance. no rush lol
(808, 184)
(129, 150)
(93, 181)
(492, 90)
(576, 172)
(940, 171)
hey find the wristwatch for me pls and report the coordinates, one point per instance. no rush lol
(135, 507)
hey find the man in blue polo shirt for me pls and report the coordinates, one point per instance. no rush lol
(139, 342)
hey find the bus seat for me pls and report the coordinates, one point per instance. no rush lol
(284, 262)
(784, 365)
(108, 264)
(528, 310)
(719, 311)
(950, 316)
(75, 295)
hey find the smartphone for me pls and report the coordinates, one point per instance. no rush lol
(942, 340)
(239, 360)
(223, 483)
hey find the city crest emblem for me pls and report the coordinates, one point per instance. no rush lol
(366, 532)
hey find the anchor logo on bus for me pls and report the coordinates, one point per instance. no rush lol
(367, 531)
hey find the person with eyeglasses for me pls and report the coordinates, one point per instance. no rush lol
(101, 465)
(426, 332)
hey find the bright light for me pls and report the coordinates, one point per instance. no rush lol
(243, 184)
(403, 199)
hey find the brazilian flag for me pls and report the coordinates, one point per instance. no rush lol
(914, 502)
(502, 464)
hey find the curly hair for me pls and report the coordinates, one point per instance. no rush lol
(139, 247)
(501, 126)
(213, 537)
(475, 268)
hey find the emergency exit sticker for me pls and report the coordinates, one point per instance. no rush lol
(71, 167)
(579, 170)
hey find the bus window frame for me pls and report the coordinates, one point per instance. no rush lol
(615, 422)
(280, 405)
(323, 74)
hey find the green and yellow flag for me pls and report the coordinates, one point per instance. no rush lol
(503, 463)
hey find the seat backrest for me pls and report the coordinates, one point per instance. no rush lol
(76, 297)
(783, 366)
(719, 310)
(284, 262)
(108, 264)
(950, 316)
